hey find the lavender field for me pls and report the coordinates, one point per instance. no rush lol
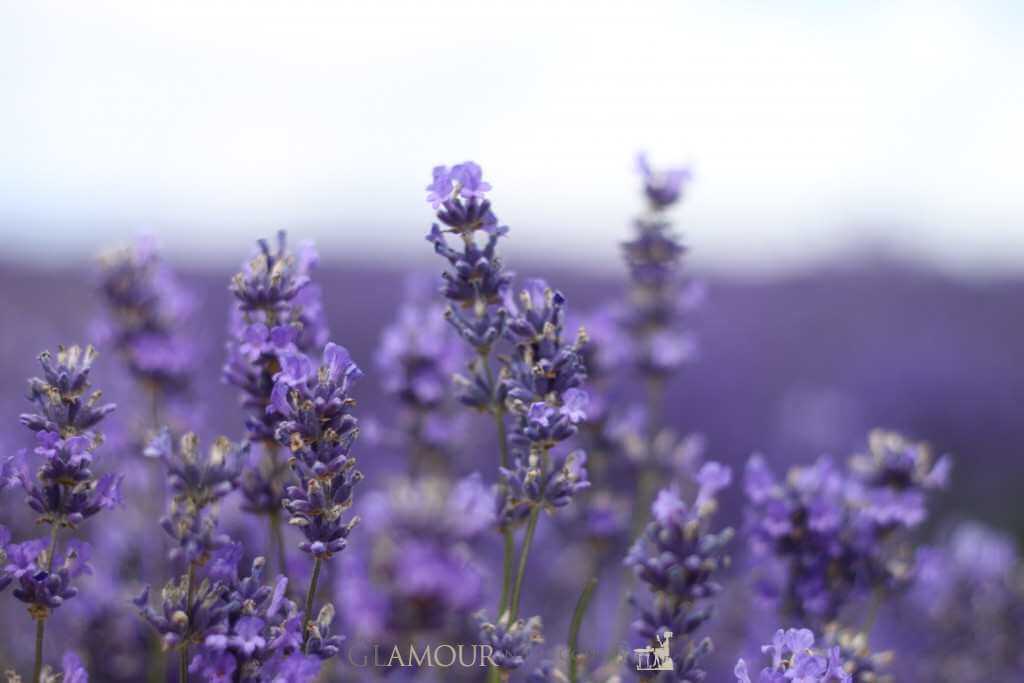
(487, 470)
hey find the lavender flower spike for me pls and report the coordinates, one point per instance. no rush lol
(476, 282)
(663, 188)
(315, 423)
(197, 484)
(147, 314)
(64, 490)
(676, 560)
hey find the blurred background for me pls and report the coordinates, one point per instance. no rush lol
(857, 215)
(816, 130)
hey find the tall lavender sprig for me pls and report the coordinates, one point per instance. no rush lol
(475, 286)
(676, 560)
(277, 311)
(653, 316)
(64, 490)
(539, 384)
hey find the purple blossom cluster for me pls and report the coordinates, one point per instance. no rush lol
(839, 534)
(148, 319)
(533, 496)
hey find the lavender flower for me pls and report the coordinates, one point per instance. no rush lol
(277, 310)
(476, 283)
(542, 481)
(72, 671)
(60, 395)
(837, 533)
(511, 643)
(417, 357)
(64, 491)
(893, 478)
(663, 188)
(148, 315)
(43, 580)
(541, 386)
(242, 629)
(313, 411)
(966, 609)
(542, 382)
(793, 658)
(188, 612)
(676, 560)
(861, 663)
(197, 484)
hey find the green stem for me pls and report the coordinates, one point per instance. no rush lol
(506, 572)
(877, 596)
(183, 665)
(190, 588)
(310, 594)
(277, 534)
(524, 555)
(509, 541)
(37, 667)
(574, 626)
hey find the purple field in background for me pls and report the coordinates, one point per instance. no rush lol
(792, 367)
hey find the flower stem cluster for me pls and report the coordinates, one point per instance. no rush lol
(64, 491)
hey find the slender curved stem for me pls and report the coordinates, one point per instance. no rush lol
(574, 626)
(277, 534)
(37, 667)
(310, 595)
(524, 556)
(183, 665)
(506, 574)
(509, 541)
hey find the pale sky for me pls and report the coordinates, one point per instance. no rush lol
(813, 127)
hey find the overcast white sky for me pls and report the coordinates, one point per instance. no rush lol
(813, 127)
